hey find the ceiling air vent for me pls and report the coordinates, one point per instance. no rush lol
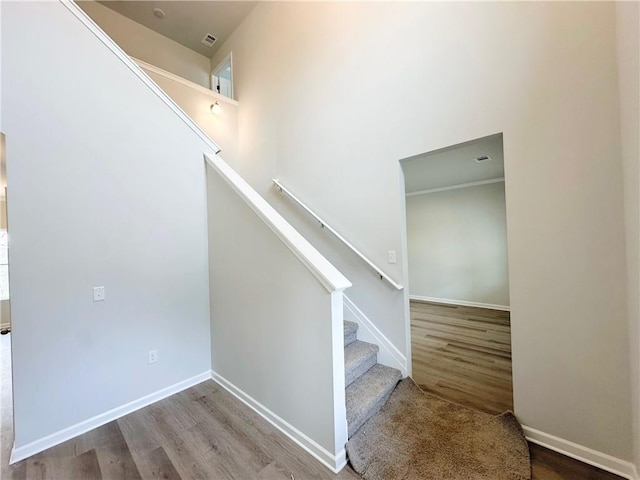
(209, 40)
(483, 158)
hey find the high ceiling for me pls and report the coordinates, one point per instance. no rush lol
(454, 165)
(187, 22)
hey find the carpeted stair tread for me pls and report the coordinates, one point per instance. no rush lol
(358, 358)
(350, 332)
(368, 394)
(418, 436)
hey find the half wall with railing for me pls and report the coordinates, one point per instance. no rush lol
(277, 317)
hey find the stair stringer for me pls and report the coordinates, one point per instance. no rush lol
(388, 354)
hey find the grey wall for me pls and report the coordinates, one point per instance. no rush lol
(145, 44)
(457, 243)
(358, 86)
(107, 187)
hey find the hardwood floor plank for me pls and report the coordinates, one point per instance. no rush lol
(137, 432)
(161, 466)
(13, 472)
(238, 444)
(55, 464)
(424, 319)
(273, 471)
(86, 466)
(114, 456)
(267, 443)
(549, 465)
(458, 353)
(175, 442)
(304, 467)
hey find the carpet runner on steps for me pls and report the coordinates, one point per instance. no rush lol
(368, 384)
(418, 436)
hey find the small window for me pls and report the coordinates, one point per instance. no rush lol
(222, 77)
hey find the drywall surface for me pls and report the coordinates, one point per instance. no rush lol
(457, 241)
(106, 188)
(197, 104)
(277, 301)
(628, 30)
(358, 86)
(143, 43)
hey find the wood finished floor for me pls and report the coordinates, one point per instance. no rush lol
(200, 433)
(463, 354)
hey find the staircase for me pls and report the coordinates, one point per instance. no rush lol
(368, 384)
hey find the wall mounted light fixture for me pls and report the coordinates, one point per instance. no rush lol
(215, 109)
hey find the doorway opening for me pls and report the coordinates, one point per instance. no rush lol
(458, 278)
(222, 77)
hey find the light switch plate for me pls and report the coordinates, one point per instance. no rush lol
(98, 294)
(392, 256)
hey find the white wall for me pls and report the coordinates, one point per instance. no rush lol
(457, 245)
(143, 43)
(223, 128)
(106, 187)
(628, 30)
(317, 111)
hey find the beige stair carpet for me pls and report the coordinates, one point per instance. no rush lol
(418, 436)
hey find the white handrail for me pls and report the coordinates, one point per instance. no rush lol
(323, 270)
(340, 237)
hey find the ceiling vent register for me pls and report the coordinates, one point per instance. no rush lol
(209, 40)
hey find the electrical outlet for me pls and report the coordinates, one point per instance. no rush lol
(98, 294)
(153, 356)
(392, 256)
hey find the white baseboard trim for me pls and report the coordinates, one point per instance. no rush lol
(584, 454)
(25, 451)
(335, 463)
(447, 301)
(388, 354)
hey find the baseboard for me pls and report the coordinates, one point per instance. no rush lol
(388, 355)
(584, 454)
(447, 301)
(25, 451)
(333, 463)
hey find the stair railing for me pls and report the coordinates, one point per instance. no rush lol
(325, 225)
(328, 275)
